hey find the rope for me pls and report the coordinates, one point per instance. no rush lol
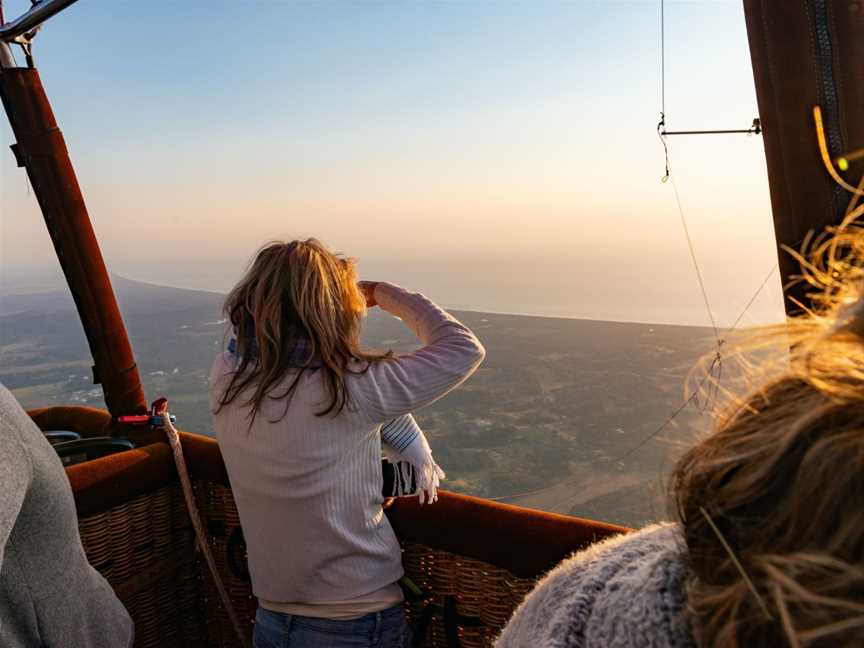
(638, 446)
(695, 261)
(186, 484)
(661, 132)
(752, 299)
(716, 363)
(661, 127)
(662, 61)
(693, 396)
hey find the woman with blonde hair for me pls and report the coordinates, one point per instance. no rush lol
(298, 409)
(768, 544)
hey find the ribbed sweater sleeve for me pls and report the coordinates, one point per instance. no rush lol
(450, 354)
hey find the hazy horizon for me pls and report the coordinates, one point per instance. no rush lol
(501, 161)
(499, 297)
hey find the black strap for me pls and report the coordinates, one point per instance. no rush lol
(452, 620)
(235, 554)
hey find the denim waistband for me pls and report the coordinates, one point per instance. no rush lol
(279, 626)
(366, 621)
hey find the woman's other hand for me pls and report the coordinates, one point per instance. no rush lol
(368, 290)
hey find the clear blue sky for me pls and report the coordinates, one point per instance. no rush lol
(497, 155)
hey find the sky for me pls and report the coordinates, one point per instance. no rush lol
(497, 156)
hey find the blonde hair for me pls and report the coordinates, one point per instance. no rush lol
(297, 309)
(772, 502)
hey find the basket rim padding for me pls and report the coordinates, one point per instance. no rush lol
(525, 542)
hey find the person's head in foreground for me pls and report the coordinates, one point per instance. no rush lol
(768, 545)
(782, 480)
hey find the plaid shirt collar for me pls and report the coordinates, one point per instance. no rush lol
(299, 356)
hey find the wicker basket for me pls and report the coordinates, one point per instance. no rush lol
(145, 549)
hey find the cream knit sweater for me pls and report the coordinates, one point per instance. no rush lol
(308, 488)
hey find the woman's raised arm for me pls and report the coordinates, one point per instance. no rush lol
(450, 354)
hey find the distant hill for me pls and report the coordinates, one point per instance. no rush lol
(132, 296)
(48, 301)
(544, 423)
(139, 297)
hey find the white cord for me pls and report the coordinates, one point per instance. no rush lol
(186, 484)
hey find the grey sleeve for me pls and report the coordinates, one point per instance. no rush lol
(16, 473)
(537, 620)
(615, 592)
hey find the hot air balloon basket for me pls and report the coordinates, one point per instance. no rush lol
(146, 549)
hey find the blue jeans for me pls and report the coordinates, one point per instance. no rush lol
(385, 629)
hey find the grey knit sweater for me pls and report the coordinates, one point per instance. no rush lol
(49, 594)
(627, 591)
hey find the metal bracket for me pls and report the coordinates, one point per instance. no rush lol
(32, 19)
(19, 155)
(755, 129)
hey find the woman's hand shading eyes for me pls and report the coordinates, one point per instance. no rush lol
(368, 290)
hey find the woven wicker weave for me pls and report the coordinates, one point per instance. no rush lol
(220, 517)
(485, 594)
(145, 548)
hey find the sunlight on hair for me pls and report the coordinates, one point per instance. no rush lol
(297, 307)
